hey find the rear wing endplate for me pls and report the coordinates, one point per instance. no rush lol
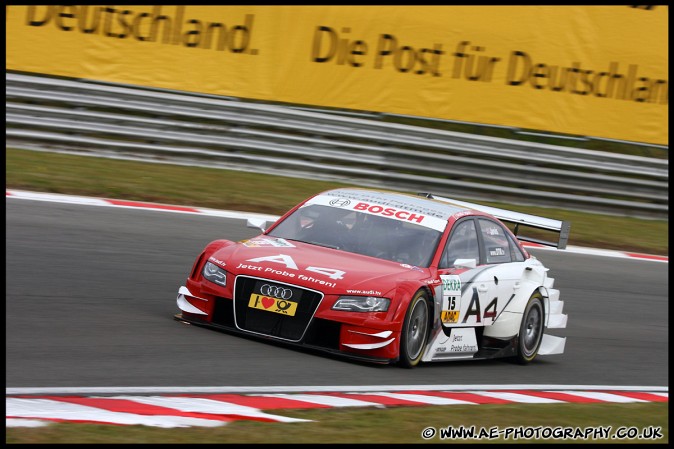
(517, 218)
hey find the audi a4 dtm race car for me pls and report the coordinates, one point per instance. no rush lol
(384, 277)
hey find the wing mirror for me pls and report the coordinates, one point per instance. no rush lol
(465, 263)
(259, 223)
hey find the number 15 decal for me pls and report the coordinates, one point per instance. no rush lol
(452, 314)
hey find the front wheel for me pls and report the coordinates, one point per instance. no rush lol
(415, 331)
(531, 329)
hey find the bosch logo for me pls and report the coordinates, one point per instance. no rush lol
(389, 212)
(276, 291)
(340, 202)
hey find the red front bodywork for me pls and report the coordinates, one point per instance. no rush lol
(331, 272)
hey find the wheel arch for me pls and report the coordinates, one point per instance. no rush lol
(507, 324)
(406, 291)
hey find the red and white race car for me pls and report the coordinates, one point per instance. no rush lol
(384, 277)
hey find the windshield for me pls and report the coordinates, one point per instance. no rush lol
(360, 233)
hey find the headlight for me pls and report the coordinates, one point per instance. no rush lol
(215, 274)
(362, 304)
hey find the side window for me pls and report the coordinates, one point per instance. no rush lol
(462, 244)
(497, 246)
(515, 252)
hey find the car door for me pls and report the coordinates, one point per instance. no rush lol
(506, 262)
(467, 282)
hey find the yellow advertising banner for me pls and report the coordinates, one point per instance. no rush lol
(598, 71)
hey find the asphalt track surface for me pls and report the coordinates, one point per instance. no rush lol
(90, 299)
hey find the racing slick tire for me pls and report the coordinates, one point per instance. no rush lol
(414, 335)
(531, 329)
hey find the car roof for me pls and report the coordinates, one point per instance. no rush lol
(440, 209)
(430, 207)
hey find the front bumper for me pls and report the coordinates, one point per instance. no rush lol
(321, 332)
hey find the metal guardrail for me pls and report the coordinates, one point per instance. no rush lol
(105, 120)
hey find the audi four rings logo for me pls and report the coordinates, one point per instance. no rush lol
(340, 202)
(276, 291)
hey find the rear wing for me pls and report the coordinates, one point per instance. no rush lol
(534, 221)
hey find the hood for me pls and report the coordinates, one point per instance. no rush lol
(328, 270)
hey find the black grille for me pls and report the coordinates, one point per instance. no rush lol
(286, 318)
(324, 334)
(223, 313)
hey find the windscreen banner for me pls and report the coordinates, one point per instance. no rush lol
(599, 71)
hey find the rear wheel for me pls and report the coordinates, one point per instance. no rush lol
(531, 329)
(415, 331)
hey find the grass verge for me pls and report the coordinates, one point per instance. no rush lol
(254, 192)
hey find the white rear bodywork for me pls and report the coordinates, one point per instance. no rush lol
(493, 297)
(452, 341)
